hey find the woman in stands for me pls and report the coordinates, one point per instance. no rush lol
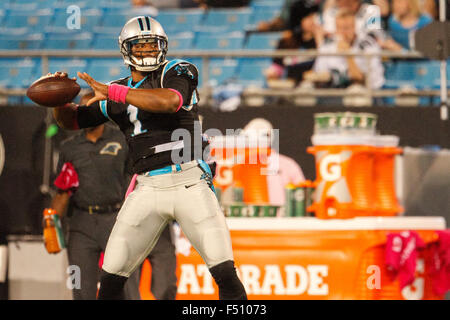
(406, 17)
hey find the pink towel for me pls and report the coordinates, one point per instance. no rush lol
(440, 266)
(401, 255)
(67, 179)
(131, 186)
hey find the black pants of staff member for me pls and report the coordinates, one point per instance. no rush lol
(87, 238)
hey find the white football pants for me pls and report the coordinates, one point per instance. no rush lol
(182, 196)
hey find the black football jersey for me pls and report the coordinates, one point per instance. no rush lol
(149, 134)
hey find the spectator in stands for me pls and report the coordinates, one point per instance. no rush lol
(406, 18)
(383, 4)
(307, 35)
(289, 18)
(343, 71)
(367, 16)
(430, 8)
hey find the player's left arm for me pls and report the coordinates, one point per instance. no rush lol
(162, 100)
(154, 100)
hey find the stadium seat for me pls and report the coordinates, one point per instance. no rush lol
(42, 4)
(418, 74)
(263, 41)
(422, 75)
(68, 40)
(108, 31)
(181, 41)
(17, 73)
(89, 19)
(4, 4)
(116, 19)
(25, 5)
(104, 41)
(230, 19)
(106, 70)
(20, 41)
(70, 66)
(427, 74)
(264, 13)
(221, 71)
(174, 21)
(35, 20)
(100, 4)
(82, 4)
(274, 5)
(115, 4)
(401, 73)
(251, 71)
(214, 41)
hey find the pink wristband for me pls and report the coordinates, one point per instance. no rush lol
(117, 93)
(179, 96)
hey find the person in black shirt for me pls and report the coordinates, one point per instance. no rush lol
(304, 33)
(156, 109)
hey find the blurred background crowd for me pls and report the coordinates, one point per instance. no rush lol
(205, 26)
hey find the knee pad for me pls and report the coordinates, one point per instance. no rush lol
(230, 287)
(116, 257)
(216, 246)
(111, 286)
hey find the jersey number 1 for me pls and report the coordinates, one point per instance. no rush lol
(132, 114)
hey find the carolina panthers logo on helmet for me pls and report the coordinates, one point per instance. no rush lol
(111, 148)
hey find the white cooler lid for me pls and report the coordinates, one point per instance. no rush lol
(341, 139)
(386, 141)
(355, 140)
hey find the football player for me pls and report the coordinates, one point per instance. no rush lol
(158, 98)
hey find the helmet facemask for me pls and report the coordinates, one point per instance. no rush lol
(145, 53)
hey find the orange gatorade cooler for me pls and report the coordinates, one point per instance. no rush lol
(344, 167)
(242, 161)
(386, 202)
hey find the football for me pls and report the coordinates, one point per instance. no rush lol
(51, 91)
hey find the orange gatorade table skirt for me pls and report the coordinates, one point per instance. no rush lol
(307, 258)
